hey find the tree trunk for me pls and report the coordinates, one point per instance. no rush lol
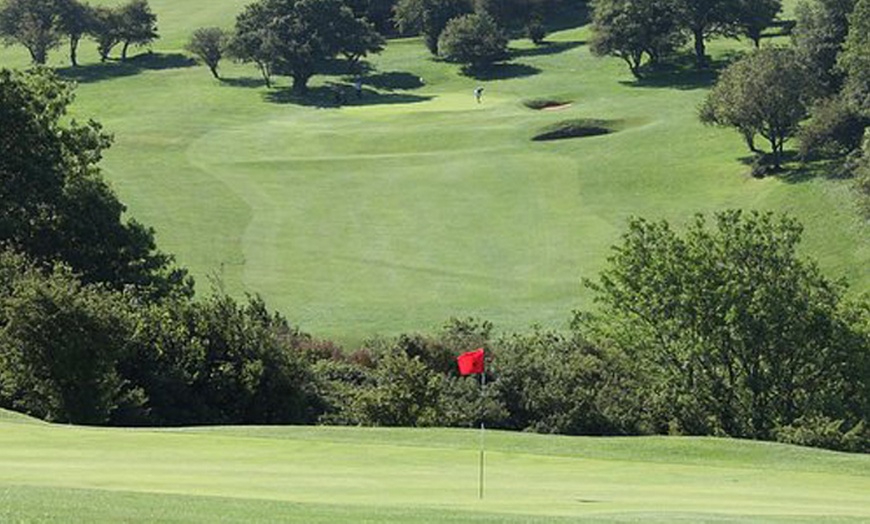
(124, 51)
(214, 72)
(73, 50)
(38, 54)
(300, 83)
(700, 48)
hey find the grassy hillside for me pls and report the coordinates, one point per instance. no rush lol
(54, 473)
(414, 204)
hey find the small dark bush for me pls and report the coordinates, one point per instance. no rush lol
(544, 103)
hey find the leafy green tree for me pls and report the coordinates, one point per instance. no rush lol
(835, 129)
(754, 16)
(138, 25)
(474, 40)
(76, 20)
(820, 30)
(33, 24)
(738, 334)
(631, 29)
(358, 38)
(765, 93)
(106, 30)
(60, 343)
(298, 37)
(55, 206)
(219, 361)
(429, 17)
(704, 19)
(248, 43)
(854, 60)
(209, 45)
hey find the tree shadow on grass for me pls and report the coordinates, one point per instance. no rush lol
(339, 95)
(90, 73)
(681, 73)
(547, 48)
(502, 72)
(245, 82)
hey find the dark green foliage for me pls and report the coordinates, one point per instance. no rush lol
(754, 16)
(55, 206)
(550, 383)
(854, 60)
(818, 36)
(536, 31)
(631, 30)
(835, 129)
(209, 44)
(138, 25)
(704, 19)
(298, 38)
(60, 343)
(106, 30)
(219, 362)
(473, 40)
(429, 17)
(736, 334)
(76, 20)
(766, 93)
(33, 24)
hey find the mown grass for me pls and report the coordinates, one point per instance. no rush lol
(414, 204)
(322, 474)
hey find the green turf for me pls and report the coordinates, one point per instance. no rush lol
(322, 474)
(415, 204)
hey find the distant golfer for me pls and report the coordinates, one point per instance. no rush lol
(478, 93)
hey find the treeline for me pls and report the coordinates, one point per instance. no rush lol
(42, 25)
(816, 89)
(720, 330)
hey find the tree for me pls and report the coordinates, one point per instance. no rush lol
(630, 29)
(358, 38)
(106, 30)
(55, 206)
(854, 60)
(754, 16)
(820, 30)
(209, 44)
(474, 40)
(248, 43)
(138, 25)
(33, 24)
(765, 93)
(429, 17)
(60, 342)
(298, 37)
(706, 18)
(76, 20)
(738, 334)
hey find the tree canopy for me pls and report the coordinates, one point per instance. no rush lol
(33, 24)
(475, 40)
(766, 93)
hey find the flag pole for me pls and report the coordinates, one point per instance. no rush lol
(482, 412)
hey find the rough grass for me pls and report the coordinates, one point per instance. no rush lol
(413, 204)
(51, 473)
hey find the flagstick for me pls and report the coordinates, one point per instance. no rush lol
(482, 412)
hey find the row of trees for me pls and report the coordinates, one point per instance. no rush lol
(722, 329)
(634, 29)
(824, 74)
(42, 25)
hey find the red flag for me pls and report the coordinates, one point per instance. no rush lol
(471, 363)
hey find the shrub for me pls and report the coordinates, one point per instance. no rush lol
(474, 40)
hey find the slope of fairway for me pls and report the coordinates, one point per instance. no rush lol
(414, 204)
(322, 474)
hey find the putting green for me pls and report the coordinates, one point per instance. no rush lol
(317, 474)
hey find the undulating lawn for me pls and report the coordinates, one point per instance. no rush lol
(414, 204)
(54, 473)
